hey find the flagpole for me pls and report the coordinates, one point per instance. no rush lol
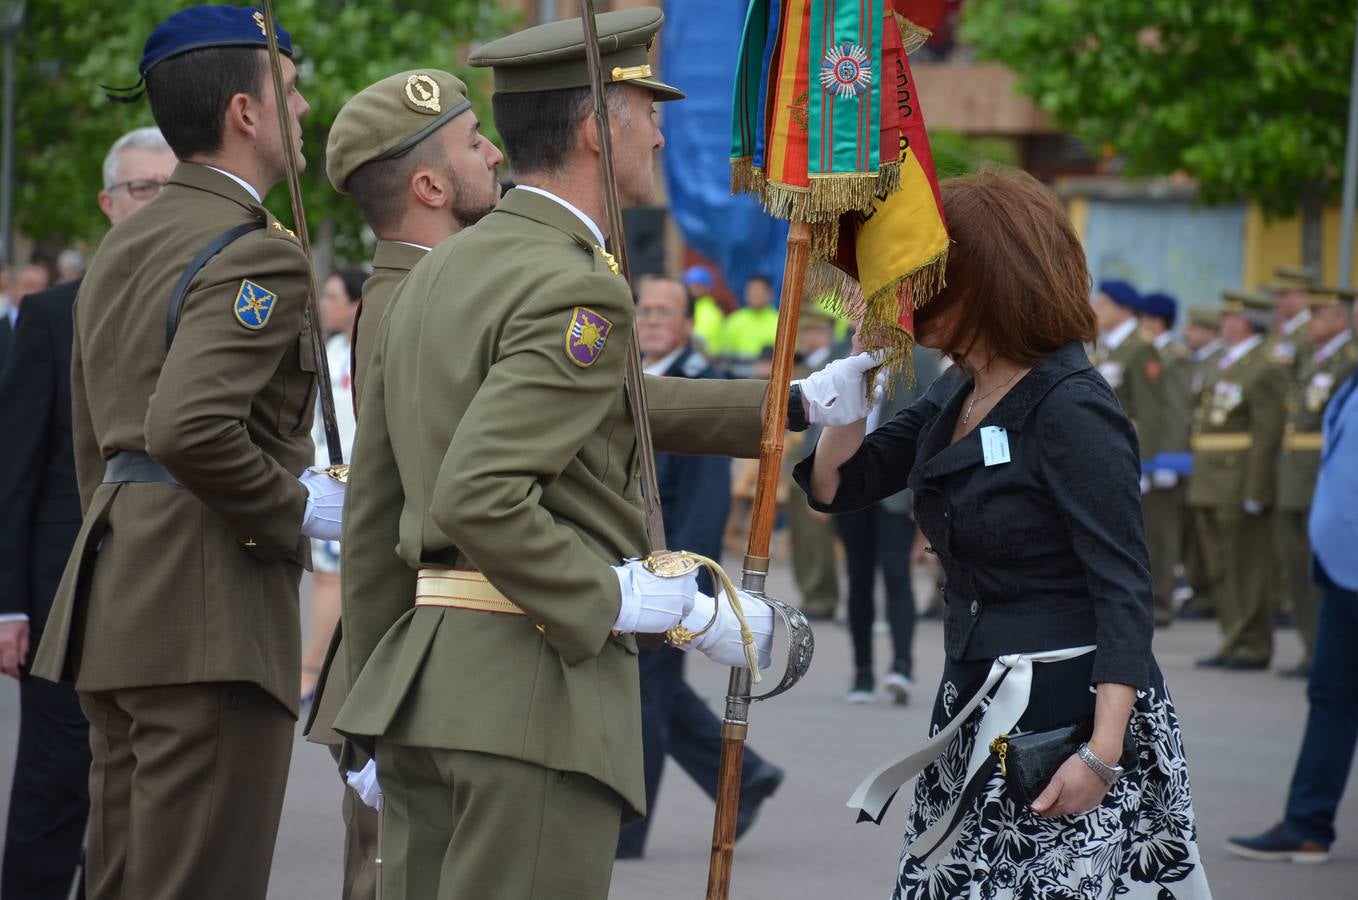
(754, 572)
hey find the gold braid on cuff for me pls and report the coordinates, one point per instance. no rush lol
(678, 563)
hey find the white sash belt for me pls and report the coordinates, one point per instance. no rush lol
(1014, 675)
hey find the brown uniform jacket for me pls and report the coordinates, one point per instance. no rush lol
(495, 435)
(1176, 417)
(195, 581)
(1306, 402)
(1237, 430)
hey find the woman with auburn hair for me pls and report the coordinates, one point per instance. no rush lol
(1056, 768)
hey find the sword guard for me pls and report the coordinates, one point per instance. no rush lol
(801, 646)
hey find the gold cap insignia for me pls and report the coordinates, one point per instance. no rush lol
(423, 93)
(259, 20)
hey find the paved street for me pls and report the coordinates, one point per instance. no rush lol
(1242, 733)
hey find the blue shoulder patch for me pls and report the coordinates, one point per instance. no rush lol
(254, 305)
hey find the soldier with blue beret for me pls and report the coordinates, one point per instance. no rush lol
(193, 384)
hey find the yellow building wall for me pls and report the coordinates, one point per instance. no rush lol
(1078, 210)
(1277, 242)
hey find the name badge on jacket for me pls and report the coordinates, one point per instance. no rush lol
(994, 445)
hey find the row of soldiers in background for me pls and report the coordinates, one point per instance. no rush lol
(1229, 426)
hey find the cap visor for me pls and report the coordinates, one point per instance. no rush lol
(663, 91)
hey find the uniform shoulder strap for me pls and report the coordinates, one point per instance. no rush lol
(181, 289)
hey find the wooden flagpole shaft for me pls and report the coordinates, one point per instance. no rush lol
(636, 387)
(327, 395)
(756, 569)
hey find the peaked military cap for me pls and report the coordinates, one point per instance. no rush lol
(200, 27)
(1205, 316)
(1322, 295)
(1293, 278)
(812, 311)
(551, 57)
(387, 119)
(1244, 301)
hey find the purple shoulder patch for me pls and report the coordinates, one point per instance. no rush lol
(585, 336)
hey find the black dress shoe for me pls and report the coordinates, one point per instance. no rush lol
(1300, 670)
(1189, 613)
(1215, 661)
(1284, 621)
(753, 794)
(1243, 665)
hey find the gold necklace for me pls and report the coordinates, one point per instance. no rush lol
(966, 417)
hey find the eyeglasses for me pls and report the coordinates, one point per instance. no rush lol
(658, 312)
(140, 189)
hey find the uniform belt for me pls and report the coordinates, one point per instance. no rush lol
(1303, 440)
(135, 466)
(1236, 440)
(461, 589)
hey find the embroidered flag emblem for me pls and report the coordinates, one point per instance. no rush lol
(845, 71)
(253, 305)
(585, 336)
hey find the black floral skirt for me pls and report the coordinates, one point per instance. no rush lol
(1140, 843)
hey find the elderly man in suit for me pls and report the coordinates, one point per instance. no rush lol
(1327, 748)
(39, 517)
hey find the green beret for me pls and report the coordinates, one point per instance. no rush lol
(387, 119)
(551, 57)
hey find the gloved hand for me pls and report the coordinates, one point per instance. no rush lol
(324, 505)
(652, 604)
(721, 643)
(1164, 479)
(1145, 485)
(838, 393)
(364, 783)
(1253, 508)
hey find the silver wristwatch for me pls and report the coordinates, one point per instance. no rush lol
(1108, 773)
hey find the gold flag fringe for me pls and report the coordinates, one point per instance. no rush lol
(912, 36)
(826, 198)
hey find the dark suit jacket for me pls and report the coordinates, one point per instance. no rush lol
(695, 491)
(1044, 552)
(39, 503)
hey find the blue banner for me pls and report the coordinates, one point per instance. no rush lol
(698, 49)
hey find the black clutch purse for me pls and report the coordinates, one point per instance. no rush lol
(1028, 761)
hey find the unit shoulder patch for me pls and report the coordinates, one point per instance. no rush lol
(253, 305)
(585, 336)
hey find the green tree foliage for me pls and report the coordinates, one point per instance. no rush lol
(65, 123)
(1249, 98)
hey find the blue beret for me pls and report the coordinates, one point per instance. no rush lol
(697, 275)
(1162, 306)
(1121, 293)
(199, 27)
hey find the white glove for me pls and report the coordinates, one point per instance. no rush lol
(838, 393)
(1253, 508)
(364, 783)
(1145, 485)
(1164, 479)
(651, 604)
(722, 643)
(324, 505)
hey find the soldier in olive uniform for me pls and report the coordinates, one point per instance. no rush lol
(1164, 504)
(411, 153)
(1203, 342)
(1329, 365)
(1237, 431)
(496, 476)
(1130, 362)
(193, 382)
(1289, 343)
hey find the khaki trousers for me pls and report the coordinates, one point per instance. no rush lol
(360, 847)
(1242, 546)
(1300, 594)
(1163, 512)
(471, 826)
(814, 567)
(186, 788)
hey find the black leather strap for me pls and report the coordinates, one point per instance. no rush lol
(181, 289)
(134, 466)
